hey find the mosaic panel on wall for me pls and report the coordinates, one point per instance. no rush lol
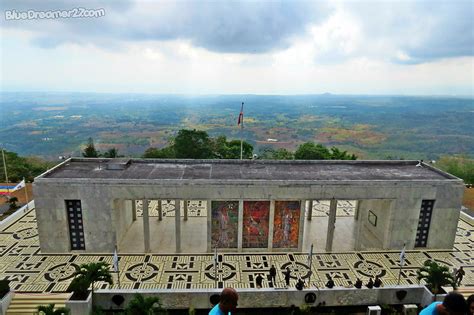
(255, 224)
(225, 218)
(287, 223)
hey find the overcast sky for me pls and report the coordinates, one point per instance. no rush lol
(220, 47)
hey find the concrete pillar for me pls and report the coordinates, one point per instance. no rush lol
(240, 225)
(271, 222)
(331, 224)
(146, 226)
(117, 219)
(177, 222)
(185, 204)
(209, 225)
(134, 210)
(160, 210)
(356, 212)
(310, 210)
(387, 205)
(301, 225)
(361, 216)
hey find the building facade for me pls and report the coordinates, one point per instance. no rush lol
(88, 205)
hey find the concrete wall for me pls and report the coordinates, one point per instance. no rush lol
(97, 201)
(123, 217)
(264, 298)
(80, 307)
(371, 236)
(97, 212)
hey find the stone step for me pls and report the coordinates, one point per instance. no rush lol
(23, 303)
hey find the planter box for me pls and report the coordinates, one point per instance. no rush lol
(5, 302)
(272, 298)
(79, 307)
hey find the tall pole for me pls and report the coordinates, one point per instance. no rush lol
(310, 265)
(5, 164)
(215, 267)
(242, 131)
(116, 265)
(26, 195)
(402, 262)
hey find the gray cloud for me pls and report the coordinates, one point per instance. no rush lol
(220, 26)
(423, 30)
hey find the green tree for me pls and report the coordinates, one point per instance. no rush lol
(111, 153)
(435, 276)
(163, 153)
(80, 286)
(23, 167)
(283, 154)
(311, 151)
(223, 149)
(276, 154)
(89, 274)
(233, 150)
(459, 166)
(49, 310)
(192, 144)
(89, 150)
(141, 305)
(337, 154)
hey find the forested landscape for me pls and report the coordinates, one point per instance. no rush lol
(44, 126)
(372, 127)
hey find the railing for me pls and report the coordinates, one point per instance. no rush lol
(16, 215)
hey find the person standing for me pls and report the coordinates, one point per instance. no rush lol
(370, 284)
(259, 281)
(459, 275)
(377, 282)
(287, 274)
(358, 283)
(330, 284)
(299, 284)
(273, 273)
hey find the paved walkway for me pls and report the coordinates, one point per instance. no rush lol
(30, 271)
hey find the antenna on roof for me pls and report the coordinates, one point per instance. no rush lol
(420, 163)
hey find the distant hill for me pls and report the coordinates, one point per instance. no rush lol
(53, 124)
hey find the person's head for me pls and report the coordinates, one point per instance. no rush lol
(454, 304)
(228, 301)
(470, 304)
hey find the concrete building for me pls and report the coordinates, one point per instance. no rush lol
(89, 205)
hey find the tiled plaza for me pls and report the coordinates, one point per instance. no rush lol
(30, 271)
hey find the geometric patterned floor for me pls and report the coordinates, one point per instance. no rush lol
(30, 271)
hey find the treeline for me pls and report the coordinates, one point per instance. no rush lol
(22, 167)
(195, 144)
(459, 166)
(92, 152)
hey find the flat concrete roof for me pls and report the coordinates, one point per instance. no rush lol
(251, 170)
